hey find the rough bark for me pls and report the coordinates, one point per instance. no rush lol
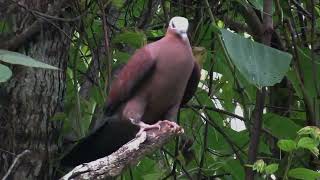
(34, 95)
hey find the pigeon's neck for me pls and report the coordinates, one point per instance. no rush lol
(172, 34)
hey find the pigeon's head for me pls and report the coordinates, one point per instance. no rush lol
(180, 26)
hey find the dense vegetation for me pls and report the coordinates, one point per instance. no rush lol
(256, 111)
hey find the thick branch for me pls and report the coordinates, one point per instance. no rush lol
(256, 119)
(127, 155)
(253, 21)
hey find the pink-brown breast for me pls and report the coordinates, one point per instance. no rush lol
(166, 87)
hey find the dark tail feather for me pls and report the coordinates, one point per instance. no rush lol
(103, 141)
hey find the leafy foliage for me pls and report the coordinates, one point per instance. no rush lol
(234, 66)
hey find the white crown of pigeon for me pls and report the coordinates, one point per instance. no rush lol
(179, 23)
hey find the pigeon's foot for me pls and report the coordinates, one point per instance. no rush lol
(144, 127)
(173, 125)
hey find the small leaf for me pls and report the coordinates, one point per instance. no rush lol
(271, 168)
(306, 130)
(5, 73)
(303, 173)
(21, 59)
(287, 145)
(309, 143)
(259, 166)
(310, 130)
(59, 116)
(135, 39)
(118, 3)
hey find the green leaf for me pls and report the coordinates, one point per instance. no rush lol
(152, 176)
(118, 3)
(310, 130)
(303, 173)
(4, 27)
(287, 145)
(280, 126)
(258, 4)
(307, 73)
(93, 29)
(306, 130)
(271, 168)
(235, 169)
(59, 116)
(309, 143)
(21, 59)
(135, 39)
(5, 73)
(259, 166)
(121, 57)
(260, 65)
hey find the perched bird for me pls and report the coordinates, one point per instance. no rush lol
(156, 81)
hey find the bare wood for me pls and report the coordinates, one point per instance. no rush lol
(128, 154)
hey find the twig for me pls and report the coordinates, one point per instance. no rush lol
(236, 149)
(106, 43)
(299, 72)
(204, 150)
(127, 155)
(186, 173)
(301, 9)
(218, 110)
(15, 161)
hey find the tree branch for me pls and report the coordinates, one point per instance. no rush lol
(129, 154)
(256, 120)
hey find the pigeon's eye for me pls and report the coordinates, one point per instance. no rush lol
(173, 25)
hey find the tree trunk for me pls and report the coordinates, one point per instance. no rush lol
(34, 95)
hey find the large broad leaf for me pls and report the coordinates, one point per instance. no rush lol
(261, 65)
(303, 173)
(21, 59)
(280, 126)
(5, 73)
(307, 73)
(235, 169)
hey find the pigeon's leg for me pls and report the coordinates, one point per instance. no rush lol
(171, 116)
(133, 111)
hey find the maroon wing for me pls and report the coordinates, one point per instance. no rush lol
(192, 84)
(139, 66)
